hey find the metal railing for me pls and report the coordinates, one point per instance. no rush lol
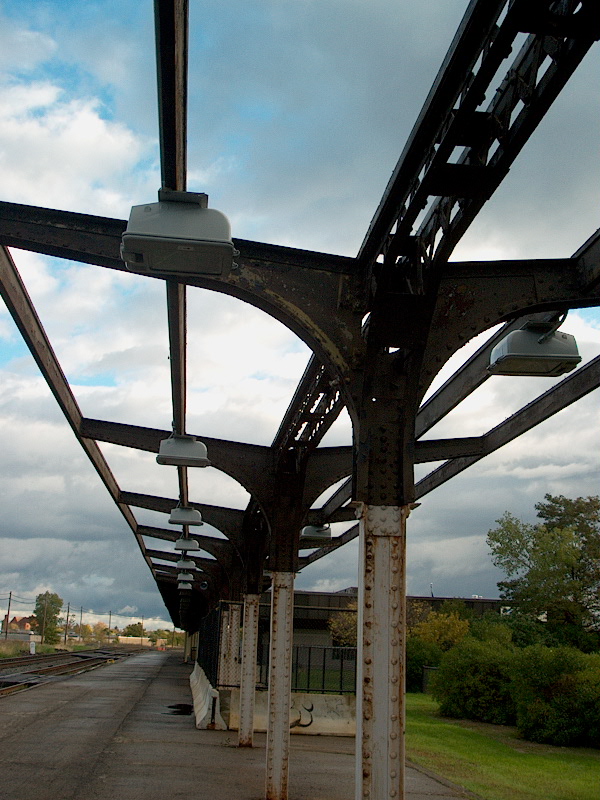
(323, 670)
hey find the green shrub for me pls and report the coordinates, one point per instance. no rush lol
(473, 682)
(557, 695)
(491, 627)
(419, 654)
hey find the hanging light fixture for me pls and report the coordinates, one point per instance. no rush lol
(186, 563)
(185, 576)
(184, 586)
(184, 515)
(179, 235)
(539, 348)
(316, 531)
(182, 451)
(314, 535)
(185, 543)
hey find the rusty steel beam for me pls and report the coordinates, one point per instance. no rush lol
(246, 463)
(96, 240)
(475, 30)
(452, 114)
(171, 35)
(568, 391)
(22, 310)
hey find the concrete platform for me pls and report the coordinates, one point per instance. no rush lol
(111, 734)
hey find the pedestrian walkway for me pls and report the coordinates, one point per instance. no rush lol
(122, 732)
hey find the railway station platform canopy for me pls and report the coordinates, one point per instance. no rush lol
(381, 326)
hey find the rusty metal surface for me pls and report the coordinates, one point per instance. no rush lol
(280, 680)
(248, 670)
(380, 714)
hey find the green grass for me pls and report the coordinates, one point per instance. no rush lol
(492, 762)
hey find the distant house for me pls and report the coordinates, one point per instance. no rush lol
(21, 624)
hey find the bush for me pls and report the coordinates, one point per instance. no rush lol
(491, 627)
(473, 682)
(557, 695)
(444, 630)
(419, 654)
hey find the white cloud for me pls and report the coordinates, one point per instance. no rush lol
(297, 155)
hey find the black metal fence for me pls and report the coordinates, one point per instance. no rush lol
(324, 670)
(208, 645)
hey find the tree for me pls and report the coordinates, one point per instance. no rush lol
(342, 626)
(84, 631)
(100, 632)
(134, 629)
(47, 609)
(443, 630)
(553, 567)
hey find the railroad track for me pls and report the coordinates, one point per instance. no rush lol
(24, 672)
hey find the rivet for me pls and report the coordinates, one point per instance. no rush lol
(394, 605)
(367, 660)
(393, 774)
(393, 755)
(367, 754)
(393, 718)
(394, 679)
(394, 699)
(393, 735)
(393, 793)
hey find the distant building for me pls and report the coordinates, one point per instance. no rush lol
(21, 624)
(312, 611)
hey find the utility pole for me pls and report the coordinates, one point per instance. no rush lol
(7, 616)
(67, 622)
(44, 618)
(80, 623)
(109, 621)
(142, 634)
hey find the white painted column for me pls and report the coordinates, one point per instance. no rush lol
(233, 644)
(223, 668)
(280, 683)
(380, 659)
(187, 646)
(248, 672)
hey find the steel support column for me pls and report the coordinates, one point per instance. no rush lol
(194, 640)
(223, 668)
(380, 659)
(187, 646)
(248, 674)
(233, 644)
(280, 683)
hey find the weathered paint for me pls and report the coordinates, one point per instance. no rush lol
(280, 682)
(380, 658)
(248, 672)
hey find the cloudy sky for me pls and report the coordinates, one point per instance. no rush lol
(298, 113)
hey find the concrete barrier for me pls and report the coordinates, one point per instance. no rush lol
(206, 702)
(316, 714)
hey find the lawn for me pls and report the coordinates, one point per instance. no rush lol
(493, 763)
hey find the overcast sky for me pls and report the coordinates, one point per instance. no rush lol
(298, 113)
